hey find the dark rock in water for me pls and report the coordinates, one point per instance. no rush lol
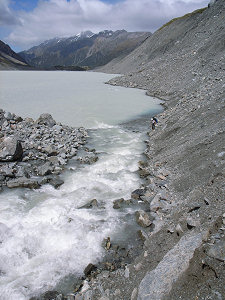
(90, 267)
(23, 182)
(106, 243)
(118, 203)
(138, 193)
(91, 204)
(10, 150)
(46, 119)
(54, 180)
(49, 295)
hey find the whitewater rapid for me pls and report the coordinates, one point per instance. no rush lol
(46, 236)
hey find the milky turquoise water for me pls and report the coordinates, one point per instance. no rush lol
(73, 98)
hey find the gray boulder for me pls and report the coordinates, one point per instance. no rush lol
(10, 149)
(23, 182)
(46, 119)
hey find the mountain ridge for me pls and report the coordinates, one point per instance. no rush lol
(10, 59)
(84, 49)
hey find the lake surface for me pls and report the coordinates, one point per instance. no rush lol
(45, 237)
(73, 98)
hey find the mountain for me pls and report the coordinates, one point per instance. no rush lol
(9, 59)
(84, 49)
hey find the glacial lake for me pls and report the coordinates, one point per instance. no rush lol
(73, 98)
(46, 240)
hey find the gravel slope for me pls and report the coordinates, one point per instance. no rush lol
(183, 258)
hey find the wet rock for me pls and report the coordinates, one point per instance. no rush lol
(46, 119)
(143, 173)
(90, 267)
(142, 219)
(137, 193)
(87, 157)
(10, 149)
(91, 204)
(52, 295)
(118, 203)
(55, 181)
(106, 243)
(23, 182)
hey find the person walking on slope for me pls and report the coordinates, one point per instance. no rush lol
(154, 121)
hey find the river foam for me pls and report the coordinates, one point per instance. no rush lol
(48, 236)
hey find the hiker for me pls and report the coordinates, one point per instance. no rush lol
(154, 121)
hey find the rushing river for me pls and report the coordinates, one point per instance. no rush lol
(44, 235)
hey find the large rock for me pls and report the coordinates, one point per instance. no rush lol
(10, 149)
(23, 182)
(46, 119)
(157, 283)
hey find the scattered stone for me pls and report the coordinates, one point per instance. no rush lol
(191, 223)
(142, 218)
(179, 230)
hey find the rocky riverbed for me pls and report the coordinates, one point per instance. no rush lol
(33, 153)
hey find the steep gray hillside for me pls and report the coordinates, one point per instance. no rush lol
(9, 59)
(184, 251)
(86, 49)
(178, 57)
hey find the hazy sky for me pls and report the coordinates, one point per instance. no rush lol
(25, 23)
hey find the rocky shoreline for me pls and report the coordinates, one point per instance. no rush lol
(33, 153)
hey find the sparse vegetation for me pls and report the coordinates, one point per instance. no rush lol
(198, 11)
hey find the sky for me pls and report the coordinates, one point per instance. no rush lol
(25, 23)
